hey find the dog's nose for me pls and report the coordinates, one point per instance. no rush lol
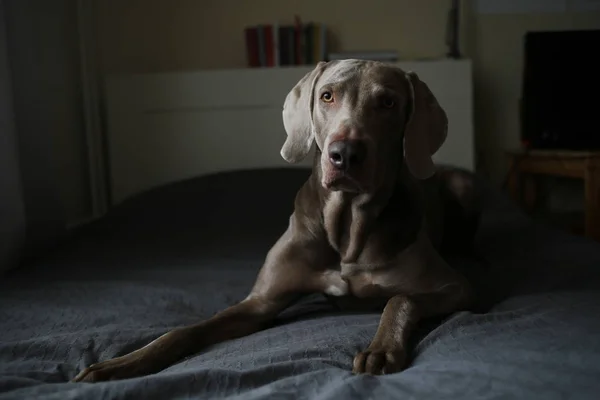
(345, 154)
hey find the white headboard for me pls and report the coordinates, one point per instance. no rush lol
(173, 126)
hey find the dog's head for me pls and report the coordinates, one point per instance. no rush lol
(367, 118)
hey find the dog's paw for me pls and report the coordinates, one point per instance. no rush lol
(379, 361)
(110, 370)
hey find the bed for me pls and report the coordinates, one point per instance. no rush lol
(158, 261)
(176, 247)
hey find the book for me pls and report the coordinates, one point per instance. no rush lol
(273, 45)
(262, 52)
(251, 38)
(308, 43)
(269, 46)
(277, 53)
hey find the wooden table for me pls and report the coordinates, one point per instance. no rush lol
(585, 165)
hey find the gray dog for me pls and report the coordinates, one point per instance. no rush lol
(369, 225)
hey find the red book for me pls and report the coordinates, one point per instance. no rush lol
(270, 45)
(251, 36)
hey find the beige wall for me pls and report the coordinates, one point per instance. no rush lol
(156, 35)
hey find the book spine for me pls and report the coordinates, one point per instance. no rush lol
(291, 44)
(308, 44)
(251, 38)
(282, 45)
(323, 40)
(277, 60)
(316, 43)
(262, 54)
(269, 46)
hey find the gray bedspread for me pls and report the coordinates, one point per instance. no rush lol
(178, 254)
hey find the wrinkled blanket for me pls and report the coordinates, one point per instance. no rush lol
(179, 253)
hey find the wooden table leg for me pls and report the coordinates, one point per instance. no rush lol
(592, 202)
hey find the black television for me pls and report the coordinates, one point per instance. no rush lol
(560, 94)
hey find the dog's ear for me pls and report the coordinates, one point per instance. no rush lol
(298, 117)
(426, 128)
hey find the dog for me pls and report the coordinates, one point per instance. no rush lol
(369, 225)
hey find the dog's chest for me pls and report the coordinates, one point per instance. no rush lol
(337, 220)
(353, 233)
(361, 284)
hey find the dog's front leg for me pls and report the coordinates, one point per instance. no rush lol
(291, 269)
(241, 319)
(388, 352)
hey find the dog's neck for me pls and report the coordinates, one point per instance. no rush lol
(350, 218)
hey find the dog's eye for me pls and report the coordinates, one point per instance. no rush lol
(388, 102)
(327, 97)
